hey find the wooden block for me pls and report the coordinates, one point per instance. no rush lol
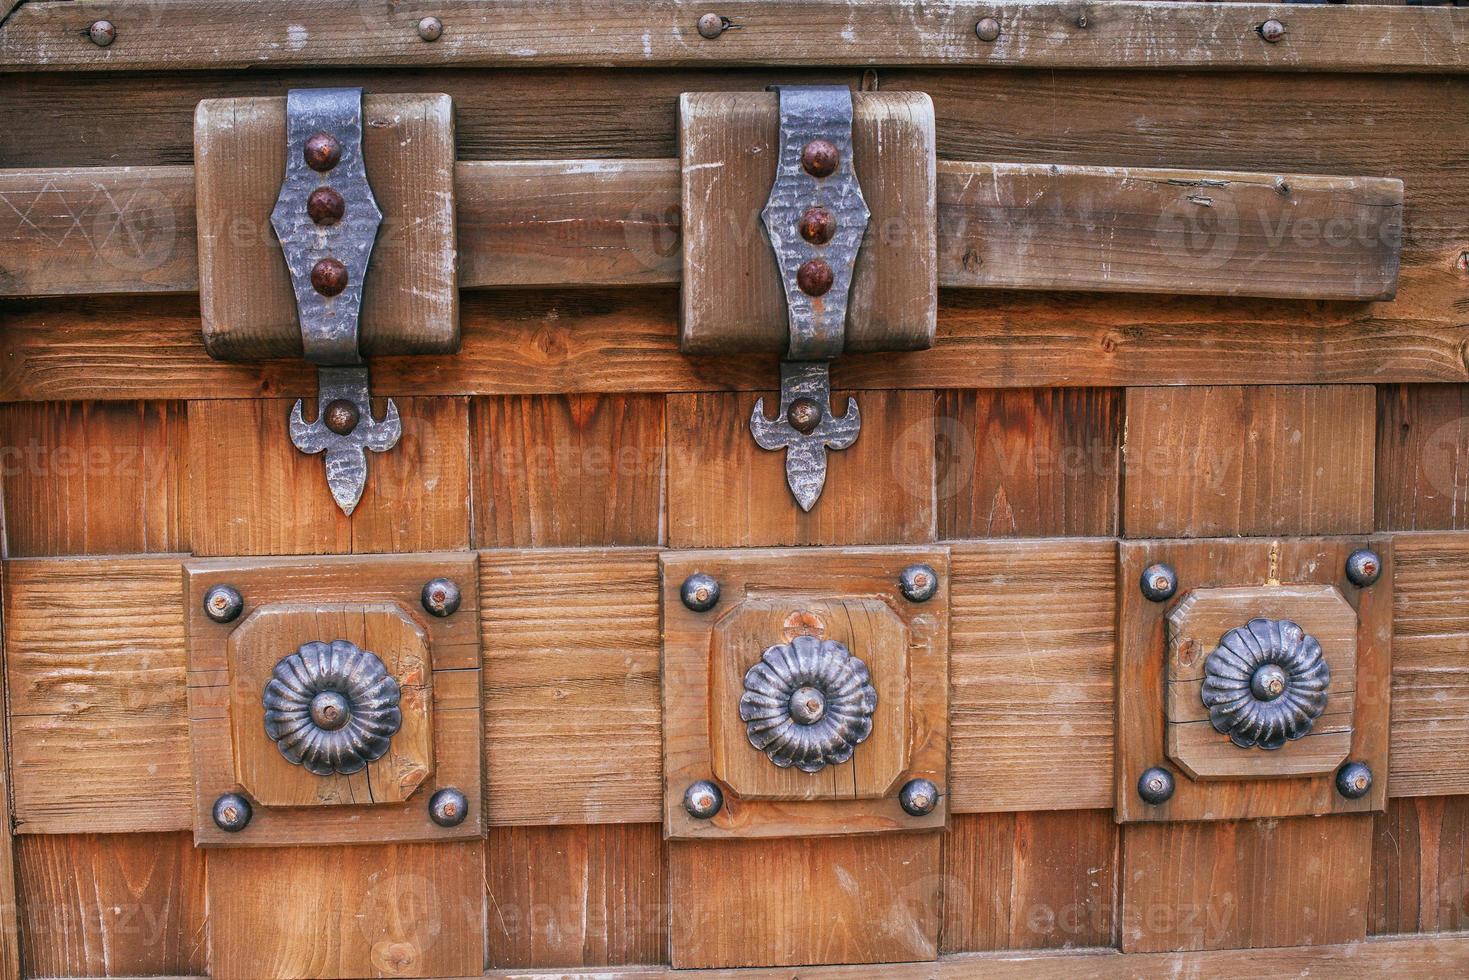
(1027, 463)
(1245, 884)
(804, 900)
(572, 646)
(112, 905)
(733, 298)
(1423, 457)
(725, 491)
(1420, 865)
(568, 471)
(587, 896)
(1248, 460)
(95, 666)
(410, 303)
(396, 910)
(90, 479)
(1029, 881)
(1032, 648)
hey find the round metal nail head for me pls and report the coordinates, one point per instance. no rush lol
(1155, 786)
(1363, 567)
(700, 592)
(441, 597)
(232, 813)
(430, 28)
(703, 800)
(1354, 780)
(1159, 582)
(918, 582)
(448, 807)
(918, 797)
(223, 603)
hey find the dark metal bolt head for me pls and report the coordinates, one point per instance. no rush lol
(329, 277)
(820, 158)
(330, 710)
(102, 33)
(322, 152)
(711, 26)
(448, 807)
(325, 206)
(808, 705)
(1363, 567)
(703, 799)
(430, 28)
(441, 597)
(223, 603)
(1268, 682)
(918, 797)
(341, 416)
(232, 813)
(988, 29)
(1272, 30)
(818, 225)
(700, 592)
(804, 415)
(1155, 786)
(1159, 582)
(919, 582)
(1354, 780)
(814, 277)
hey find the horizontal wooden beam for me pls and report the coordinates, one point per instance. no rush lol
(616, 222)
(188, 34)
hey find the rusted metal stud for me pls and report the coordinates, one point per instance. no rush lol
(1272, 30)
(331, 710)
(322, 152)
(918, 797)
(325, 206)
(918, 582)
(1268, 682)
(703, 799)
(1159, 582)
(712, 25)
(814, 277)
(223, 603)
(1155, 786)
(441, 597)
(430, 28)
(329, 277)
(1354, 780)
(700, 592)
(102, 33)
(341, 416)
(448, 807)
(1363, 567)
(820, 158)
(232, 813)
(817, 226)
(988, 29)
(804, 415)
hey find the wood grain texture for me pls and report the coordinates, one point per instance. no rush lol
(572, 646)
(1248, 460)
(1420, 866)
(9, 925)
(1245, 884)
(568, 471)
(111, 905)
(98, 717)
(1029, 881)
(1423, 457)
(90, 479)
(389, 910)
(878, 896)
(1032, 648)
(1027, 463)
(725, 491)
(576, 896)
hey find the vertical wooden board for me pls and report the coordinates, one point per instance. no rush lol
(417, 493)
(1423, 457)
(1027, 462)
(9, 934)
(1225, 460)
(568, 471)
(94, 478)
(572, 647)
(1029, 881)
(1420, 866)
(796, 901)
(387, 910)
(725, 491)
(96, 674)
(1030, 661)
(95, 905)
(1245, 883)
(585, 896)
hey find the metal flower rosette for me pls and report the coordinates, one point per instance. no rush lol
(332, 707)
(808, 703)
(1265, 684)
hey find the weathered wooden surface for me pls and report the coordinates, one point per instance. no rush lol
(9, 936)
(1423, 457)
(1420, 863)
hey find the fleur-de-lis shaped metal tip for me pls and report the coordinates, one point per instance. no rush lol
(345, 430)
(805, 427)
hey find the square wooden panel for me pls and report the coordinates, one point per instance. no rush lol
(1303, 578)
(367, 600)
(768, 598)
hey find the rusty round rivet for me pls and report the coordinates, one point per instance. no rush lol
(102, 33)
(223, 603)
(703, 799)
(1159, 582)
(1155, 786)
(430, 28)
(232, 813)
(341, 416)
(814, 277)
(804, 415)
(1268, 682)
(325, 206)
(818, 225)
(1354, 780)
(329, 277)
(322, 152)
(918, 797)
(700, 592)
(331, 710)
(988, 29)
(441, 597)
(1363, 567)
(448, 807)
(711, 26)
(820, 158)
(1272, 30)
(919, 582)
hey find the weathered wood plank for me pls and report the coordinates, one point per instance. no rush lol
(1423, 457)
(9, 936)
(1420, 866)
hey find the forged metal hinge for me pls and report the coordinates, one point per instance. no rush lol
(815, 219)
